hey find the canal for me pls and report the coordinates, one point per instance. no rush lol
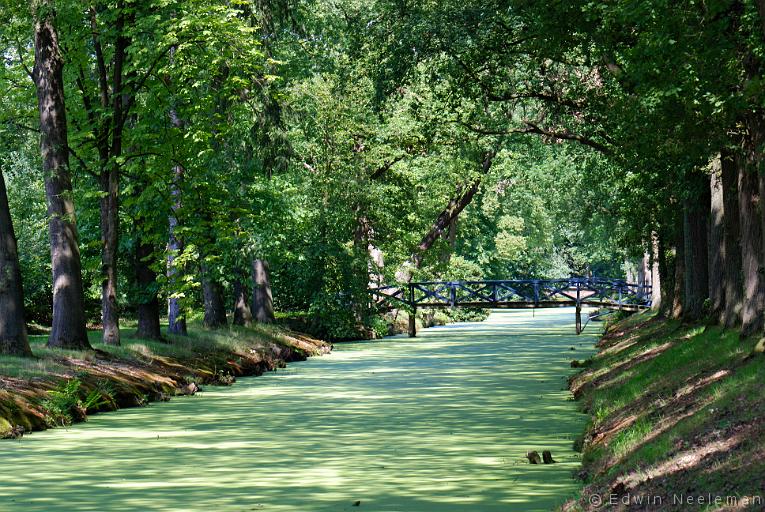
(438, 423)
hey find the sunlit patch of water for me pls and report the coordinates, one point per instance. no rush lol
(438, 423)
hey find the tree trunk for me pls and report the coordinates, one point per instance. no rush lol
(242, 313)
(667, 273)
(13, 328)
(749, 191)
(262, 300)
(679, 278)
(148, 302)
(110, 182)
(656, 277)
(68, 329)
(732, 280)
(696, 251)
(450, 236)
(461, 199)
(643, 276)
(215, 305)
(363, 241)
(463, 196)
(176, 319)
(629, 276)
(717, 251)
(109, 241)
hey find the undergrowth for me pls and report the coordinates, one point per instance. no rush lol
(69, 402)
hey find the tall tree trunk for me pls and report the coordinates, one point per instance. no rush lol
(667, 273)
(176, 319)
(732, 265)
(148, 303)
(68, 329)
(717, 249)
(13, 328)
(679, 271)
(262, 300)
(214, 302)
(629, 275)
(696, 250)
(749, 196)
(643, 275)
(109, 180)
(242, 312)
(109, 241)
(656, 277)
(450, 235)
(362, 240)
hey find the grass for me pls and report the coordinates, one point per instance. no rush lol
(198, 344)
(673, 407)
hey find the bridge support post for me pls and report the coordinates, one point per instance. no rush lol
(578, 318)
(413, 323)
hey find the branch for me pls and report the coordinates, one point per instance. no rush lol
(103, 76)
(21, 61)
(81, 162)
(565, 135)
(386, 167)
(486, 131)
(536, 129)
(86, 100)
(462, 197)
(142, 154)
(550, 98)
(143, 79)
(22, 126)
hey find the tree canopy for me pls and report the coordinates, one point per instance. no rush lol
(232, 159)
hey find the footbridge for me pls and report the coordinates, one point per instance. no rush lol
(578, 292)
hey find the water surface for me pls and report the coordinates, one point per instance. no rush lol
(439, 423)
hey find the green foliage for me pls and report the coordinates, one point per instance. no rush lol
(64, 404)
(68, 401)
(334, 318)
(327, 137)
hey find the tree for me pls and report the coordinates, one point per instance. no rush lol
(68, 329)
(13, 329)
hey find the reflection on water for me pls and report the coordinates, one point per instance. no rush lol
(439, 423)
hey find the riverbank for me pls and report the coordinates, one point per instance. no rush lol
(677, 419)
(59, 387)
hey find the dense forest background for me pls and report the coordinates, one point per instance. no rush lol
(219, 161)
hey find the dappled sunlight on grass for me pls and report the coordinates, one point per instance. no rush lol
(688, 419)
(199, 343)
(440, 423)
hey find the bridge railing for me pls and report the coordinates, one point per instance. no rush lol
(515, 293)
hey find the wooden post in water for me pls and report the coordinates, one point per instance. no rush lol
(412, 314)
(578, 318)
(413, 323)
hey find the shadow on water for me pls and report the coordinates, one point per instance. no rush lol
(438, 423)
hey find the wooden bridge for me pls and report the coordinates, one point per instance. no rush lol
(514, 294)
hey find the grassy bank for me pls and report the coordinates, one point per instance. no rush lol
(57, 387)
(677, 419)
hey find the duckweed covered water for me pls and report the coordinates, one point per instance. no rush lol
(440, 423)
